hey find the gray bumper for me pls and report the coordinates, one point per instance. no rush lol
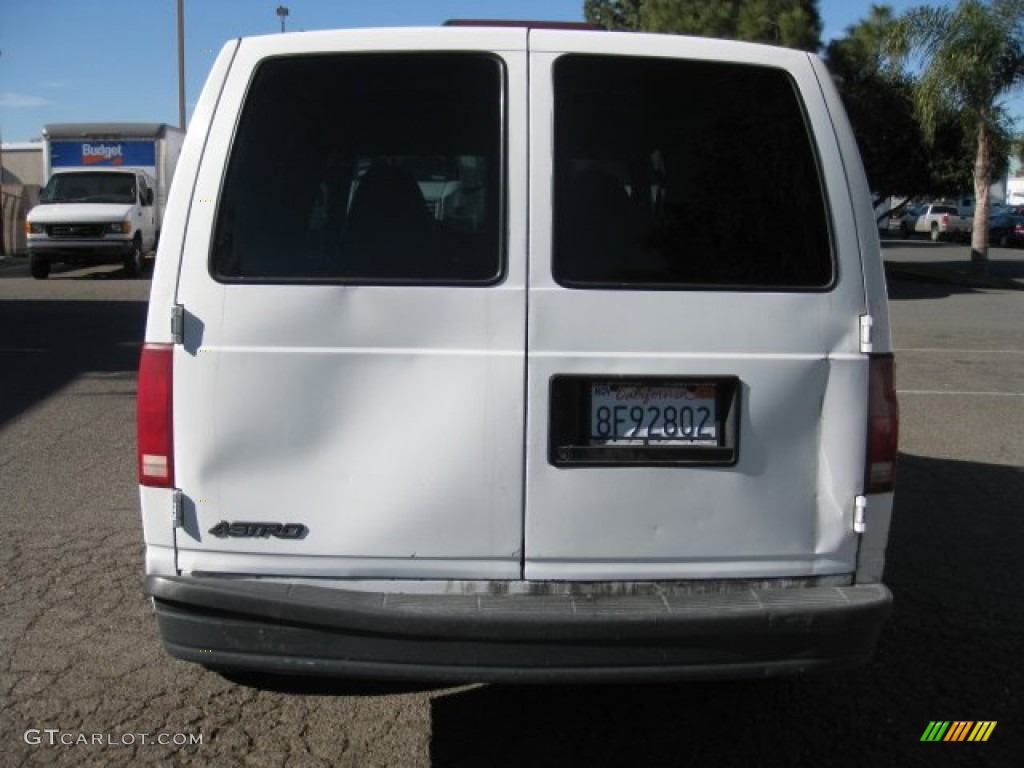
(298, 629)
(81, 250)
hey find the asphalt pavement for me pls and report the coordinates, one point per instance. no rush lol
(80, 656)
(923, 260)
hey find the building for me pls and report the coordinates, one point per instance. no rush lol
(21, 171)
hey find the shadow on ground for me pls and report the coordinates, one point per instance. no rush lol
(17, 267)
(905, 288)
(921, 243)
(46, 344)
(951, 650)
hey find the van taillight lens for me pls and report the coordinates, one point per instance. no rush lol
(155, 401)
(883, 425)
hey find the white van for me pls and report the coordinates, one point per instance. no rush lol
(469, 359)
(91, 216)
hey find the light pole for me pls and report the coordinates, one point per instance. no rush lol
(282, 11)
(181, 64)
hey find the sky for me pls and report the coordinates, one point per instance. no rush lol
(116, 60)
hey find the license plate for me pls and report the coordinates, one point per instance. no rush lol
(632, 414)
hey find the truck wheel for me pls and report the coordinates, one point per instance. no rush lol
(904, 231)
(936, 235)
(39, 266)
(133, 261)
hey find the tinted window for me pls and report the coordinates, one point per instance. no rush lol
(365, 168)
(685, 174)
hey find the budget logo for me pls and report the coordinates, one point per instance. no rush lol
(958, 730)
(102, 154)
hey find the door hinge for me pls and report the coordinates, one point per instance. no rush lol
(867, 324)
(178, 507)
(178, 323)
(860, 509)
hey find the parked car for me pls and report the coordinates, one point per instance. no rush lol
(939, 221)
(553, 416)
(1005, 229)
(893, 223)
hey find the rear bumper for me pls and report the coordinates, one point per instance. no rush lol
(662, 635)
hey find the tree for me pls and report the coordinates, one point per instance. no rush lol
(878, 100)
(972, 57)
(613, 14)
(878, 97)
(690, 17)
(791, 23)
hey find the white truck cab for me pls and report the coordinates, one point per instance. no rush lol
(478, 353)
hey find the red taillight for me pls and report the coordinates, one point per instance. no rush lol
(945, 219)
(155, 435)
(1019, 228)
(883, 426)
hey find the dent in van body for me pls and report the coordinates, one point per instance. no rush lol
(400, 455)
(707, 522)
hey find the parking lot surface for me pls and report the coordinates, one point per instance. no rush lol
(83, 680)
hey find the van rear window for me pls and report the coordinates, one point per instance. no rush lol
(685, 174)
(366, 168)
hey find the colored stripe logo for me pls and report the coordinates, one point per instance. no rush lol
(100, 160)
(958, 730)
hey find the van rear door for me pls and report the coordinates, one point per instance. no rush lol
(696, 387)
(348, 398)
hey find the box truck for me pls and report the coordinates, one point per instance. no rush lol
(105, 190)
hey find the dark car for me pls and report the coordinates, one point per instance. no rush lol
(1005, 229)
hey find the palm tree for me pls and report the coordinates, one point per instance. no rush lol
(972, 57)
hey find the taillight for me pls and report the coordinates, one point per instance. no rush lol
(945, 219)
(155, 443)
(1019, 228)
(883, 425)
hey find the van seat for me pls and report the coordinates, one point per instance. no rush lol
(598, 224)
(389, 226)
